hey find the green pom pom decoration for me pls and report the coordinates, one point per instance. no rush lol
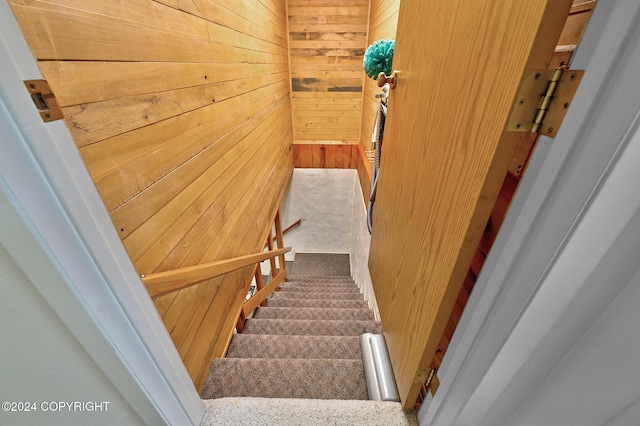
(378, 58)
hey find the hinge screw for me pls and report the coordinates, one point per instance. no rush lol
(550, 130)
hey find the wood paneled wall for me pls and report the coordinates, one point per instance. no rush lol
(181, 112)
(340, 155)
(327, 40)
(382, 25)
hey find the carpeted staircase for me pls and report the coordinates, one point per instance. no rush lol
(304, 343)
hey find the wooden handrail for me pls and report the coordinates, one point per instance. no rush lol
(290, 227)
(287, 229)
(177, 279)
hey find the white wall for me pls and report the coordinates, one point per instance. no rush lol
(330, 204)
(323, 199)
(42, 362)
(361, 242)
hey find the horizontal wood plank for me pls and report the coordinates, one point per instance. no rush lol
(331, 28)
(327, 40)
(326, 36)
(326, 85)
(328, 3)
(97, 121)
(338, 156)
(83, 82)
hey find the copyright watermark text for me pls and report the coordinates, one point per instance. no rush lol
(55, 406)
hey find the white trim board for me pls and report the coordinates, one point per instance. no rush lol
(568, 232)
(55, 214)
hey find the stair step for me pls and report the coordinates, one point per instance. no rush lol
(314, 313)
(282, 302)
(350, 288)
(326, 278)
(325, 286)
(317, 295)
(321, 280)
(307, 412)
(286, 378)
(309, 347)
(311, 327)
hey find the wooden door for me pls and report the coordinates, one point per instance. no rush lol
(445, 155)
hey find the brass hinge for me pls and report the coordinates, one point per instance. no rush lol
(44, 99)
(543, 100)
(421, 376)
(433, 383)
(428, 379)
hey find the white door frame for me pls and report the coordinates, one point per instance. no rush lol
(54, 220)
(531, 304)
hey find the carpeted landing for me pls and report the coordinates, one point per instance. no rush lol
(304, 343)
(307, 412)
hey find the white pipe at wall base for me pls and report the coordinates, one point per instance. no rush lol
(381, 383)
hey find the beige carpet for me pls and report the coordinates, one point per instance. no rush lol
(295, 412)
(299, 350)
(321, 264)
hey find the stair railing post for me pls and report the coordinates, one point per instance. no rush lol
(280, 241)
(272, 261)
(241, 320)
(259, 281)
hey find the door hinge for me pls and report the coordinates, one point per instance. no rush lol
(543, 100)
(421, 376)
(433, 383)
(428, 379)
(44, 99)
